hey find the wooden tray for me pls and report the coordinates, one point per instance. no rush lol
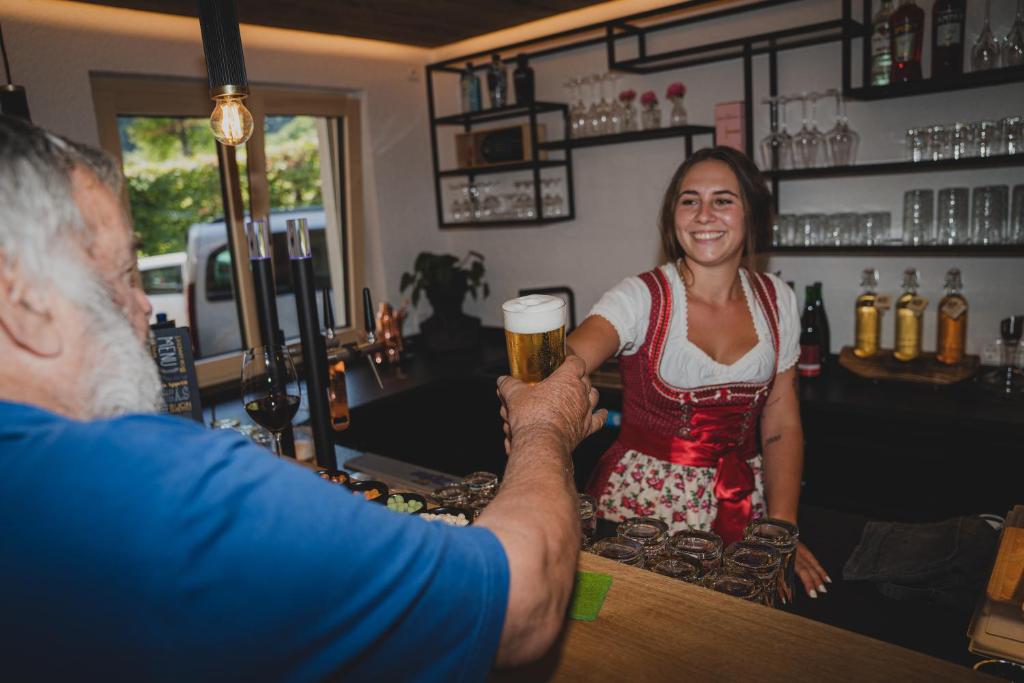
(924, 370)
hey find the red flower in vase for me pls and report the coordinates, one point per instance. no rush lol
(627, 96)
(675, 90)
(649, 99)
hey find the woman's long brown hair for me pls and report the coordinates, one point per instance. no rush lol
(754, 192)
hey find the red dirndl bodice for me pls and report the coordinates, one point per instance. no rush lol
(712, 426)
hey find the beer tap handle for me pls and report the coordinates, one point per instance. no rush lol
(371, 334)
(368, 319)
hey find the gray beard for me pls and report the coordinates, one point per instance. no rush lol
(124, 378)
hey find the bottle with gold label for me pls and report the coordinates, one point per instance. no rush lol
(869, 316)
(909, 318)
(952, 337)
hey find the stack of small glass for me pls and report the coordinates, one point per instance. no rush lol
(595, 110)
(810, 147)
(995, 218)
(962, 140)
(484, 201)
(760, 568)
(845, 229)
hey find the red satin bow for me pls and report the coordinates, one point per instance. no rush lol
(734, 478)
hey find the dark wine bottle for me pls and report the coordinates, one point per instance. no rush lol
(907, 27)
(826, 334)
(809, 364)
(948, 38)
(522, 80)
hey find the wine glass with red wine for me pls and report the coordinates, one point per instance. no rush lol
(270, 389)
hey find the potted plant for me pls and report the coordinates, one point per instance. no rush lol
(446, 279)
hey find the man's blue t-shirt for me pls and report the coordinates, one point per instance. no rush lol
(148, 548)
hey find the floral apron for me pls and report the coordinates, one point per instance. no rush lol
(693, 448)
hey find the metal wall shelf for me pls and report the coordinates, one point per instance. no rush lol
(635, 136)
(506, 223)
(497, 114)
(978, 79)
(764, 43)
(898, 167)
(903, 250)
(501, 168)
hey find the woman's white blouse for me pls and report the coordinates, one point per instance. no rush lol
(627, 307)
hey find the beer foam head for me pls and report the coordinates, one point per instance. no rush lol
(534, 313)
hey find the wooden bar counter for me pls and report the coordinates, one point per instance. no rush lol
(653, 628)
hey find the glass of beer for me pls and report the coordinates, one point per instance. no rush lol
(534, 336)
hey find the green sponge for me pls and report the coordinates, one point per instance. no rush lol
(588, 595)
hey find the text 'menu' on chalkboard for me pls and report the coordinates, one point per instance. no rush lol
(172, 350)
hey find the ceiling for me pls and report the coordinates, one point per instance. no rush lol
(424, 23)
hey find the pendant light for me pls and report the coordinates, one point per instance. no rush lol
(13, 99)
(230, 121)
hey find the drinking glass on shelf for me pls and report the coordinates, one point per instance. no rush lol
(873, 228)
(456, 208)
(987, 138)
(1016, 234)
(1013, 43)
(842, 141)
(917, 144)
(952, 215)
(918, 217)
(605, 105)
(838, 230)
(787, 226)
(591, 88)
(776, 148)
(490, 205)
(577, 111)
(939, 143)
(618, 112)
(985, 53)
(270, 389)
(810, 229)
(1013, 134)
(961, 140)
(988, 214)
(807, 142)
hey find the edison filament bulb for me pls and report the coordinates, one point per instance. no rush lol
(230, 121)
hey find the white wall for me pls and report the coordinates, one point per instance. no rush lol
(54, 45)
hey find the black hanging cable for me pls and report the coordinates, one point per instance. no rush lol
(3, 52)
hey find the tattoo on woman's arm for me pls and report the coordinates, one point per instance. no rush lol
(772, 439)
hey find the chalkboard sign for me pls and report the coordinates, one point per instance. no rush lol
(172, 351)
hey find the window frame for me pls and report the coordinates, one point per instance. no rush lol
(340, 174)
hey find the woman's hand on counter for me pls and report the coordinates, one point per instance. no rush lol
(812, 575)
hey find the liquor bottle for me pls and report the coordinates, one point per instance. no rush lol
(909, 315)
(522, 79)
(869, 317)
(826, 334)
(809, 364)
(948, 38)
(907, 26)
(337, 392)
(470, 85)
(952, 337)
(881, 47)
(497, 82)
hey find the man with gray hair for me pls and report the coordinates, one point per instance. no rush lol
(144, 547)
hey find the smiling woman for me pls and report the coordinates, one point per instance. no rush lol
(706, 349)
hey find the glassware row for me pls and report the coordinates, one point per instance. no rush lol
(495, 200)
(961, 140)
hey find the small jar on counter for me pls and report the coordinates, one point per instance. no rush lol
(453, 495)
(588, 519)
(759, 559)
(682, 567)
(620, 549)
(481, 484)
(705, 546)
(783, 536)
(739, 585)
(649, 532)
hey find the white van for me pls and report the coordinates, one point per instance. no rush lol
(163, 280)
(212, 314)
